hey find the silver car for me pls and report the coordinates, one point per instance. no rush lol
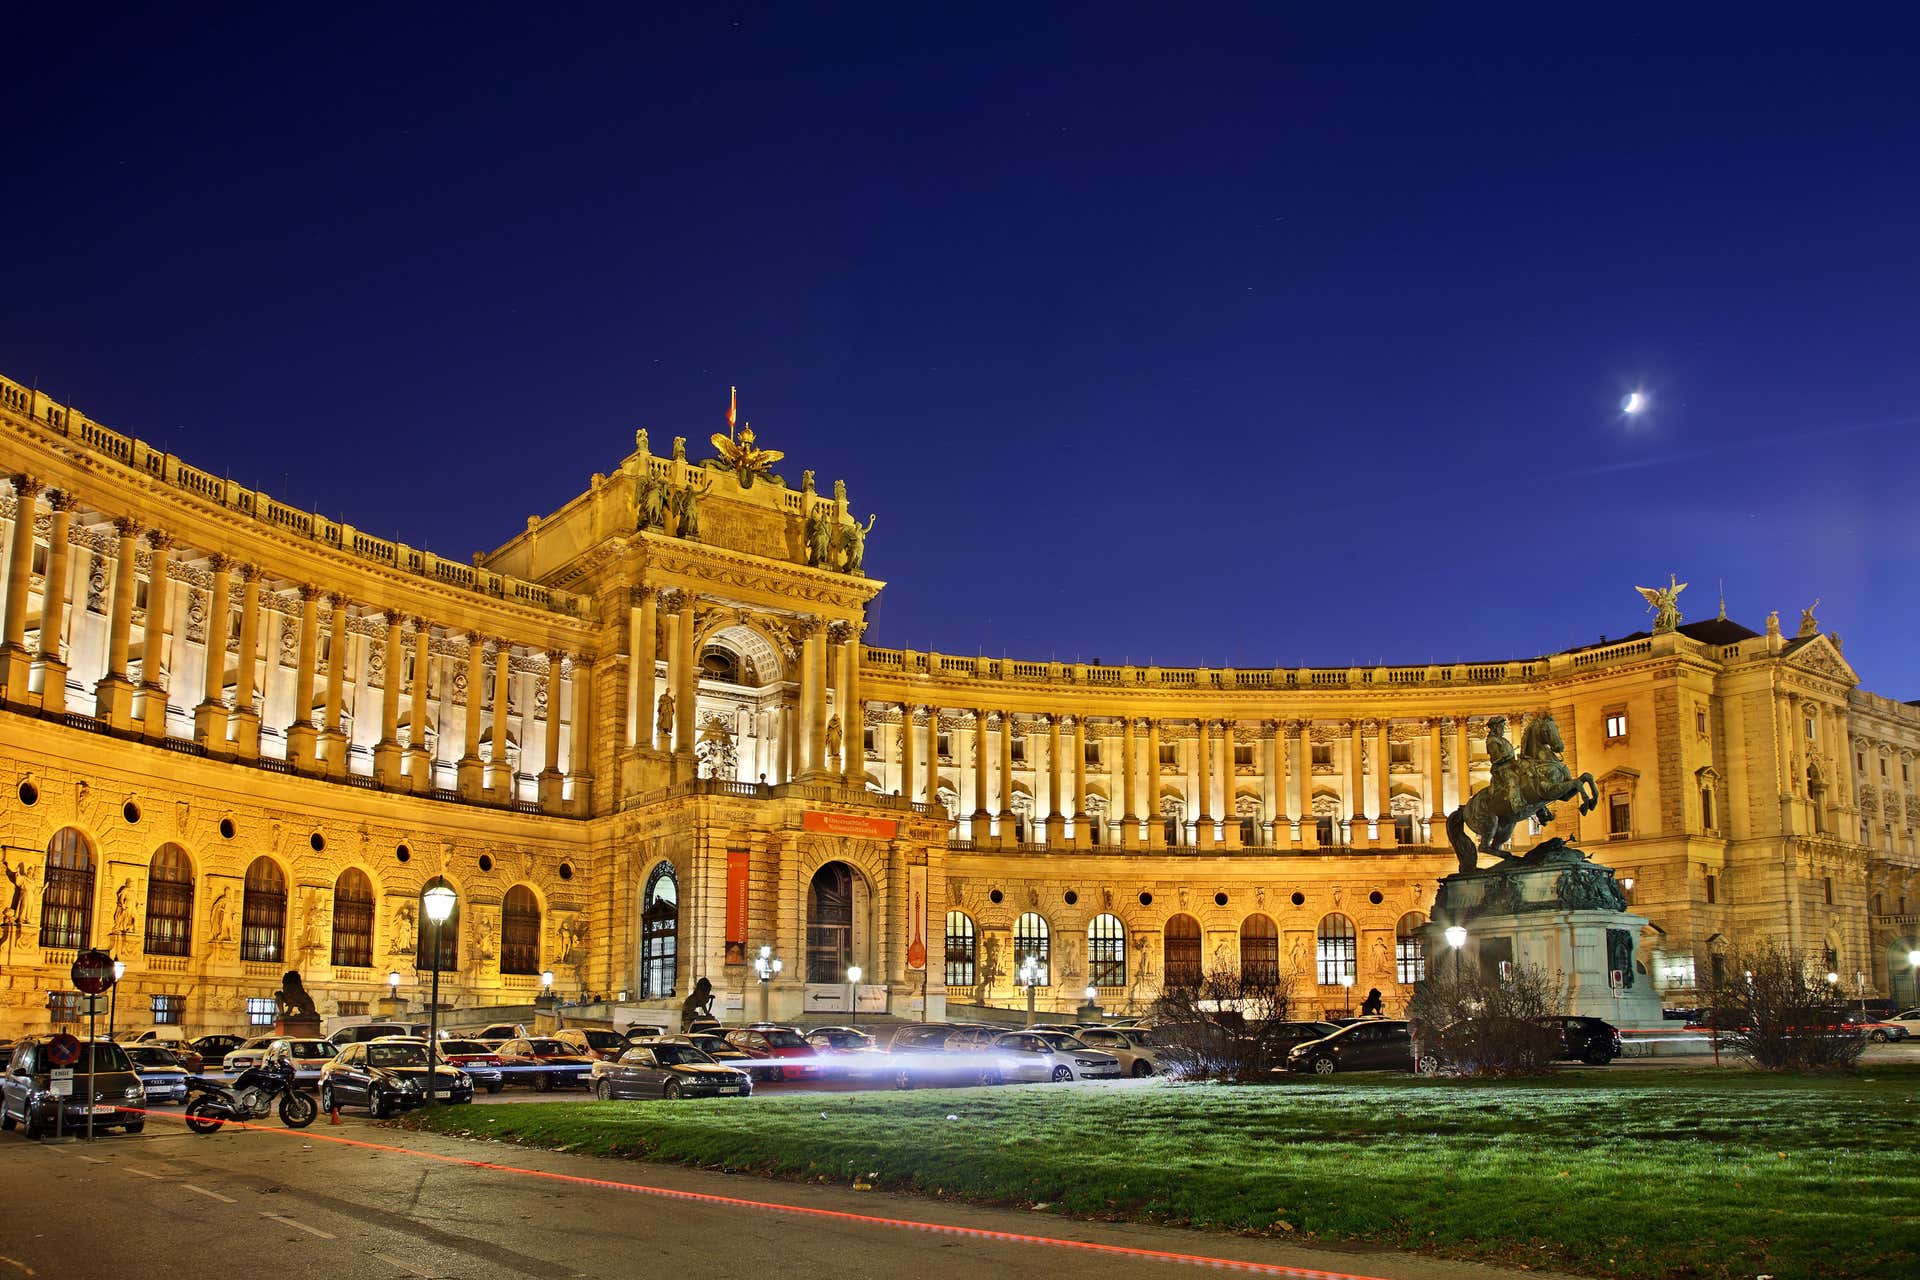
(161, 1074)
(1050, 1055)
(1133, 1046)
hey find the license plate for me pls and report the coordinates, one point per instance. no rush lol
(96, 1111)
(728, 1088)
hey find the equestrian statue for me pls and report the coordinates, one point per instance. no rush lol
(1524, 783)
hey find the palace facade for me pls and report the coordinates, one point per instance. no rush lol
(645, 739)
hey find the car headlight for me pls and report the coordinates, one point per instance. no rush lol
(135, 1093)
(410, 1086)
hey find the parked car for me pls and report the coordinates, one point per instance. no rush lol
(498, 1033)
(544, 1063)
(1909, 1019)
(1050, 1055)
(249, 1054)
(1383, 1045)
(1133, 1046)
(386, 1076)
(176, 1044)
(161, 1073)
(1590, 1040)
(215, 1048)
(919, 1055)
(361, 1032)
(713, 1046)
(664, 1068)
(781, 1044)
(1877, 1030)
(651, 1031)
(27, 1097)
(845, 1052)
(592, 1043)
(479, 1061)
(307, 1056)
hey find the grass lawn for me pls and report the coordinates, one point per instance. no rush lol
(1629, 1173)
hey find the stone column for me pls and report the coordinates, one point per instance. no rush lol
(210, 717)
(1436, 782)
(581, 770)
(1303, 777)
(1081, 835)
(686, 691)
(339, 643)
(1382, 775)
(552, 781)
(419, 763)
(643, 643)
(1156, 830)
(817, 704)
(1462, 762)
(154, 667)
(933, 757)
(300, 733)
(907, 780)
(387, 771)
(1229, 786)
(113, 695)
(471, 770)
(1274, 800)
(500, 782)
(1203, 766)
(853, 720)
(1129, 786)
(981, 768)
(1009, 837)
(1056, 821)
(16, 663)
(53, 607)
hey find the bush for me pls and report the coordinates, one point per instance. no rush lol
(1225, 1027)
(1481, 1024)
(1777, 1007)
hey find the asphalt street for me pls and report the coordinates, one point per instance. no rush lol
(361, 1200)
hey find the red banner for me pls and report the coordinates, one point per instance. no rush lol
(736, 906)
(846, 824)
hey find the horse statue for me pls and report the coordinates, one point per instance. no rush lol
(1524, 783)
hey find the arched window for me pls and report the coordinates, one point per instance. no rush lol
(423, 948)
(1030, 940)
(1181, 951)
(353, 919)
(1335, 951)
(1259, 951)
(659, 933)
(66, 900)
(1106, 952)
(520, 931)
(263, 913)
(1409, 954)
(169, 902)
(960, 949)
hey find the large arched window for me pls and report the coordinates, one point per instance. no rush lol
(1259, 951)
(961, 949)
(353, 919)
(1334, 952)
(169, 902)
(659, 932)
(1106, 952)
(1181, 943)
(1409, 955)
(66, 900)
(830, 923)
(263, 913)
(520, 931)
(423, 957)
(1030, 940)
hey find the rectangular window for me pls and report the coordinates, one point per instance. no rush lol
(66, 1006)
(353, 1009)
(262, 1010)
(1700, 723)
(1250, 832)
(39, 560)
(1616, 725)
(1812, 733)
(944, 744)
(1323, 832)
(866, 741)
(1883, 766)
(1403, 829)
(1323, 753)
(1399, 753)
(1619, 817)
(1242, 757)
(1905, 774)
(1713, 888)
(1706, 808)
(169, 1011)
(1093, 753)
(1409, 959)
(1826, 888)
(1019, 757)
(139, 594)
(1860, 761)
(1169, 753)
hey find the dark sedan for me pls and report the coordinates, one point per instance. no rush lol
(161, 1072)
(667, 1069)
(213, 1050)
(544, 1063)
(1590, 1040)
(1381, 1045)
(388, 1077)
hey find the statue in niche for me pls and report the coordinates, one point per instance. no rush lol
(853, 545)
(403, 938)
(663, 721)
(123, 921)
(13, 919)
(219, 931)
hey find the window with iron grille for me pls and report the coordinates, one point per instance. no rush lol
(1409, 954)
(169, 902)
(66, 901)
(66, 1007)
(1335, 950)
(169, 1011)
(262, 1011)
(263, 913)
(1030, 941)
(1107, 952)
(352, 1008)
(353, 919)
(520, 931)
(1260, 952)
(960, 949)
(1180, 951)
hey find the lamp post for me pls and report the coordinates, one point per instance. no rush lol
(1029, 978)
(1913, 973)
(1346, 983)
(1093, 996)
(393, 983)
(438, 902)
(768, 966)
(113, 994)
(1456, 938)
(853, 992)
(546, 983)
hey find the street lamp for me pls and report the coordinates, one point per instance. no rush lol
(853, 991)
(393, 983)
(1029, 978)
(438, 902)
(1346, 981)
(546, 983)
(1093, 996)
(1456, 936)
(768, 966)
(113, 994)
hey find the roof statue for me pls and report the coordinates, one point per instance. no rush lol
(1663, 602)
(739, 453)
(1809, 625)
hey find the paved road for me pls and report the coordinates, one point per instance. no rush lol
(360, 1200)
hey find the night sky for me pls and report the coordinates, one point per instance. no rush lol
(1193, 335)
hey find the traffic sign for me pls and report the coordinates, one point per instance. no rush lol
(63, 1050)
(92, 971)
(60, 1082)
(1617, 979)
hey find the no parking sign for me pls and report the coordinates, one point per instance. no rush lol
(63, 1050)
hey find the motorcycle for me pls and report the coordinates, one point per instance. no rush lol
(250, 1097)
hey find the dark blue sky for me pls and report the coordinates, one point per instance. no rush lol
(1266, 336)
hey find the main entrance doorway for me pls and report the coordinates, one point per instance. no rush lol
(837, 928)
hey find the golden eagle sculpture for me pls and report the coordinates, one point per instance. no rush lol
(739, 453)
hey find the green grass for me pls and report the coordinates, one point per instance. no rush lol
(1633, 1174)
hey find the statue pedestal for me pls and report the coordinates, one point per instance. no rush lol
(1557, 911)
(298, 1026)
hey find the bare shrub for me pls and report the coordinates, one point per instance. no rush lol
(1224, 1027)
(1776, 1006)
(1481, 1024)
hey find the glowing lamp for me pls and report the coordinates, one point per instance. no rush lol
(438, 902)
(853, 973)
(1456, 936)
